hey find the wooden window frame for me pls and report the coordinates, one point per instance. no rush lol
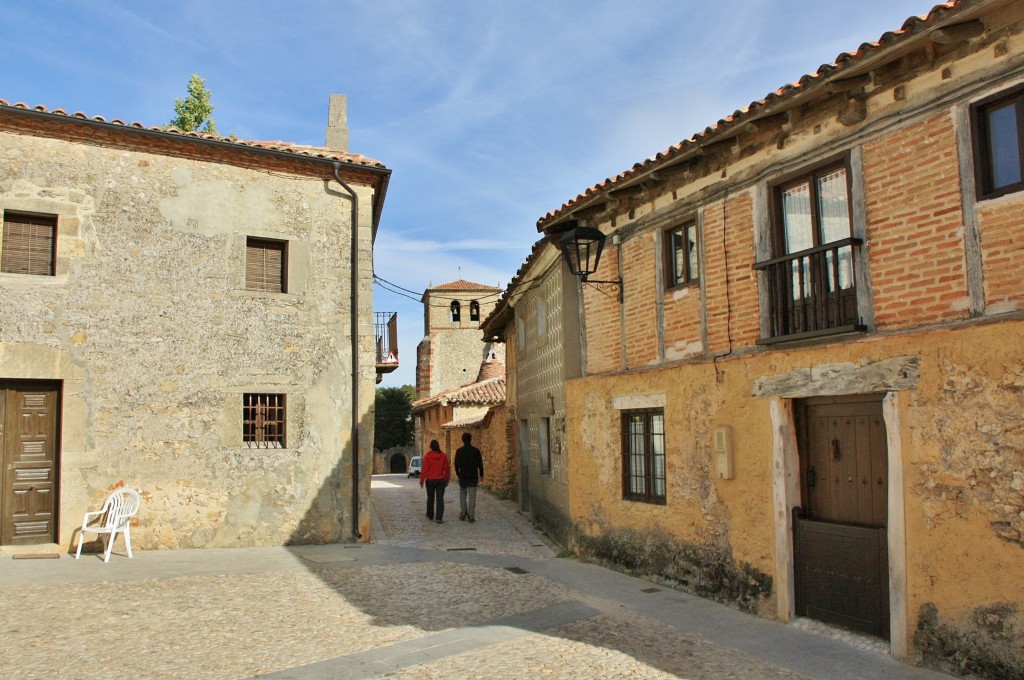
(983, 162)
(655, 486)
(257, 276)
(29, 244)
(826, 306)
(264, 420)
(673, 255)
(544, 445)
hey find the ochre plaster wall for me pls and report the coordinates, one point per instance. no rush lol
(963, 460)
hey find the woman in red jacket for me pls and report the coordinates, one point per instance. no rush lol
(435, 473)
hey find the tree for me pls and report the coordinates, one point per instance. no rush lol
(393, 419)
(194, 111)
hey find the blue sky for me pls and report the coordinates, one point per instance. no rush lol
(489, 113)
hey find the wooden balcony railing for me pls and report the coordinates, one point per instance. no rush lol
(812, 292)
(385, 329)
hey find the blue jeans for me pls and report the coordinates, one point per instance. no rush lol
(435, 498)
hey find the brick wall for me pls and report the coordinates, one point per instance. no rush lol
(730, 285)
(638, 256)
(915, 224)
(1002, 251)
(602, 319)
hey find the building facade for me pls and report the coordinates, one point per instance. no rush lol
(190, 316)
(539, 323)
(807, 399)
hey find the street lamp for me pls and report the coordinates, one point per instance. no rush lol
(581, 247)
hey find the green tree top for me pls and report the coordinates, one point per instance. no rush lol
(193, 112)
(393, 417)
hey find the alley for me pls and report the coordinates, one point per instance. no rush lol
(453, 600)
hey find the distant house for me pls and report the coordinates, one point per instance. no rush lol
(539, 324)
(184, 314)
(804, 394)
(460, 378)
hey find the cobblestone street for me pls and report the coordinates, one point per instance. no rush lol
(426, 600)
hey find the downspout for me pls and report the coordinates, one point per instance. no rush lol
(354, 320)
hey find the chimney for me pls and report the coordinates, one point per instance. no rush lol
(337, 123)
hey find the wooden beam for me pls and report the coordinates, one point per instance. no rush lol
(948, 35)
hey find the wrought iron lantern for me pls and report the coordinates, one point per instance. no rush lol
(581, 247)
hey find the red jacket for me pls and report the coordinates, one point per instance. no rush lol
(435, 466)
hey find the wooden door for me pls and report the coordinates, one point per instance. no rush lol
(29, 417)
(840, 543)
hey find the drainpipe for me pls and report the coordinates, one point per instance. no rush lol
(354, 320)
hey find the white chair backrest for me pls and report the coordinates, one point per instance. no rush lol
(120, 506)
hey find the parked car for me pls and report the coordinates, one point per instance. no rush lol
(414, 466)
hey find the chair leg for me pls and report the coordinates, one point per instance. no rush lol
(81, 534)
(110, 545)
(128, 541)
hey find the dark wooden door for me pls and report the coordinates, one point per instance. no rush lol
(840, 544)
(28, 477)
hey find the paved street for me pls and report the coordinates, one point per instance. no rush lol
(426, 600)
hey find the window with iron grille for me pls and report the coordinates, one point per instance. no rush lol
(266, 265)
(682, 266)
(643, 455)
(811, 279)
(29, 244)
(263, 421)
(998, 131)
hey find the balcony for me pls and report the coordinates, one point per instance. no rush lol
(385, 331)
(812, 292)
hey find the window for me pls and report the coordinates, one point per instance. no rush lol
(811, 279)
(456, 309)
(474, 311)
(29, 244)
(263, 421)
(681, 264)
(643, 455)
(545, 445)
(265, 265)
(998, 124)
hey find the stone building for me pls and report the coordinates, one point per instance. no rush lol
(190, 316)
(479, 409)
(807, 398)
(539, 325)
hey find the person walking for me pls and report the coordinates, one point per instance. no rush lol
(435, 475)
(469, 468)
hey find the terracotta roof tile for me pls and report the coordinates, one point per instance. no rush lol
(485, 393)
(284, 147)
(845, 60)
(462, 284)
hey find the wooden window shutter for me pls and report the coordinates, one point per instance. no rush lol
(265, 265)
(29, 244)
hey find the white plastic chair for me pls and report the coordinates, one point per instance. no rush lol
(115, 517)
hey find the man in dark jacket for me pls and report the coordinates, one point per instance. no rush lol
(469, 468)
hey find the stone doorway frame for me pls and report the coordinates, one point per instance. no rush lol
(786, 496)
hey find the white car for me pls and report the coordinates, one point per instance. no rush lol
(414, 466)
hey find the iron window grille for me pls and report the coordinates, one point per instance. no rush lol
(263, 421)
(643, 455)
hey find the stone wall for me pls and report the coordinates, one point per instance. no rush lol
(150, 327)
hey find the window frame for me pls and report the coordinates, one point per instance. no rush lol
(983, 161)
(266, 244)
(256, 407)
(35, 222)
(688, 277)
(544, 445)
(650, 457)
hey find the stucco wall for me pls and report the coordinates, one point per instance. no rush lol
(150, 327)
